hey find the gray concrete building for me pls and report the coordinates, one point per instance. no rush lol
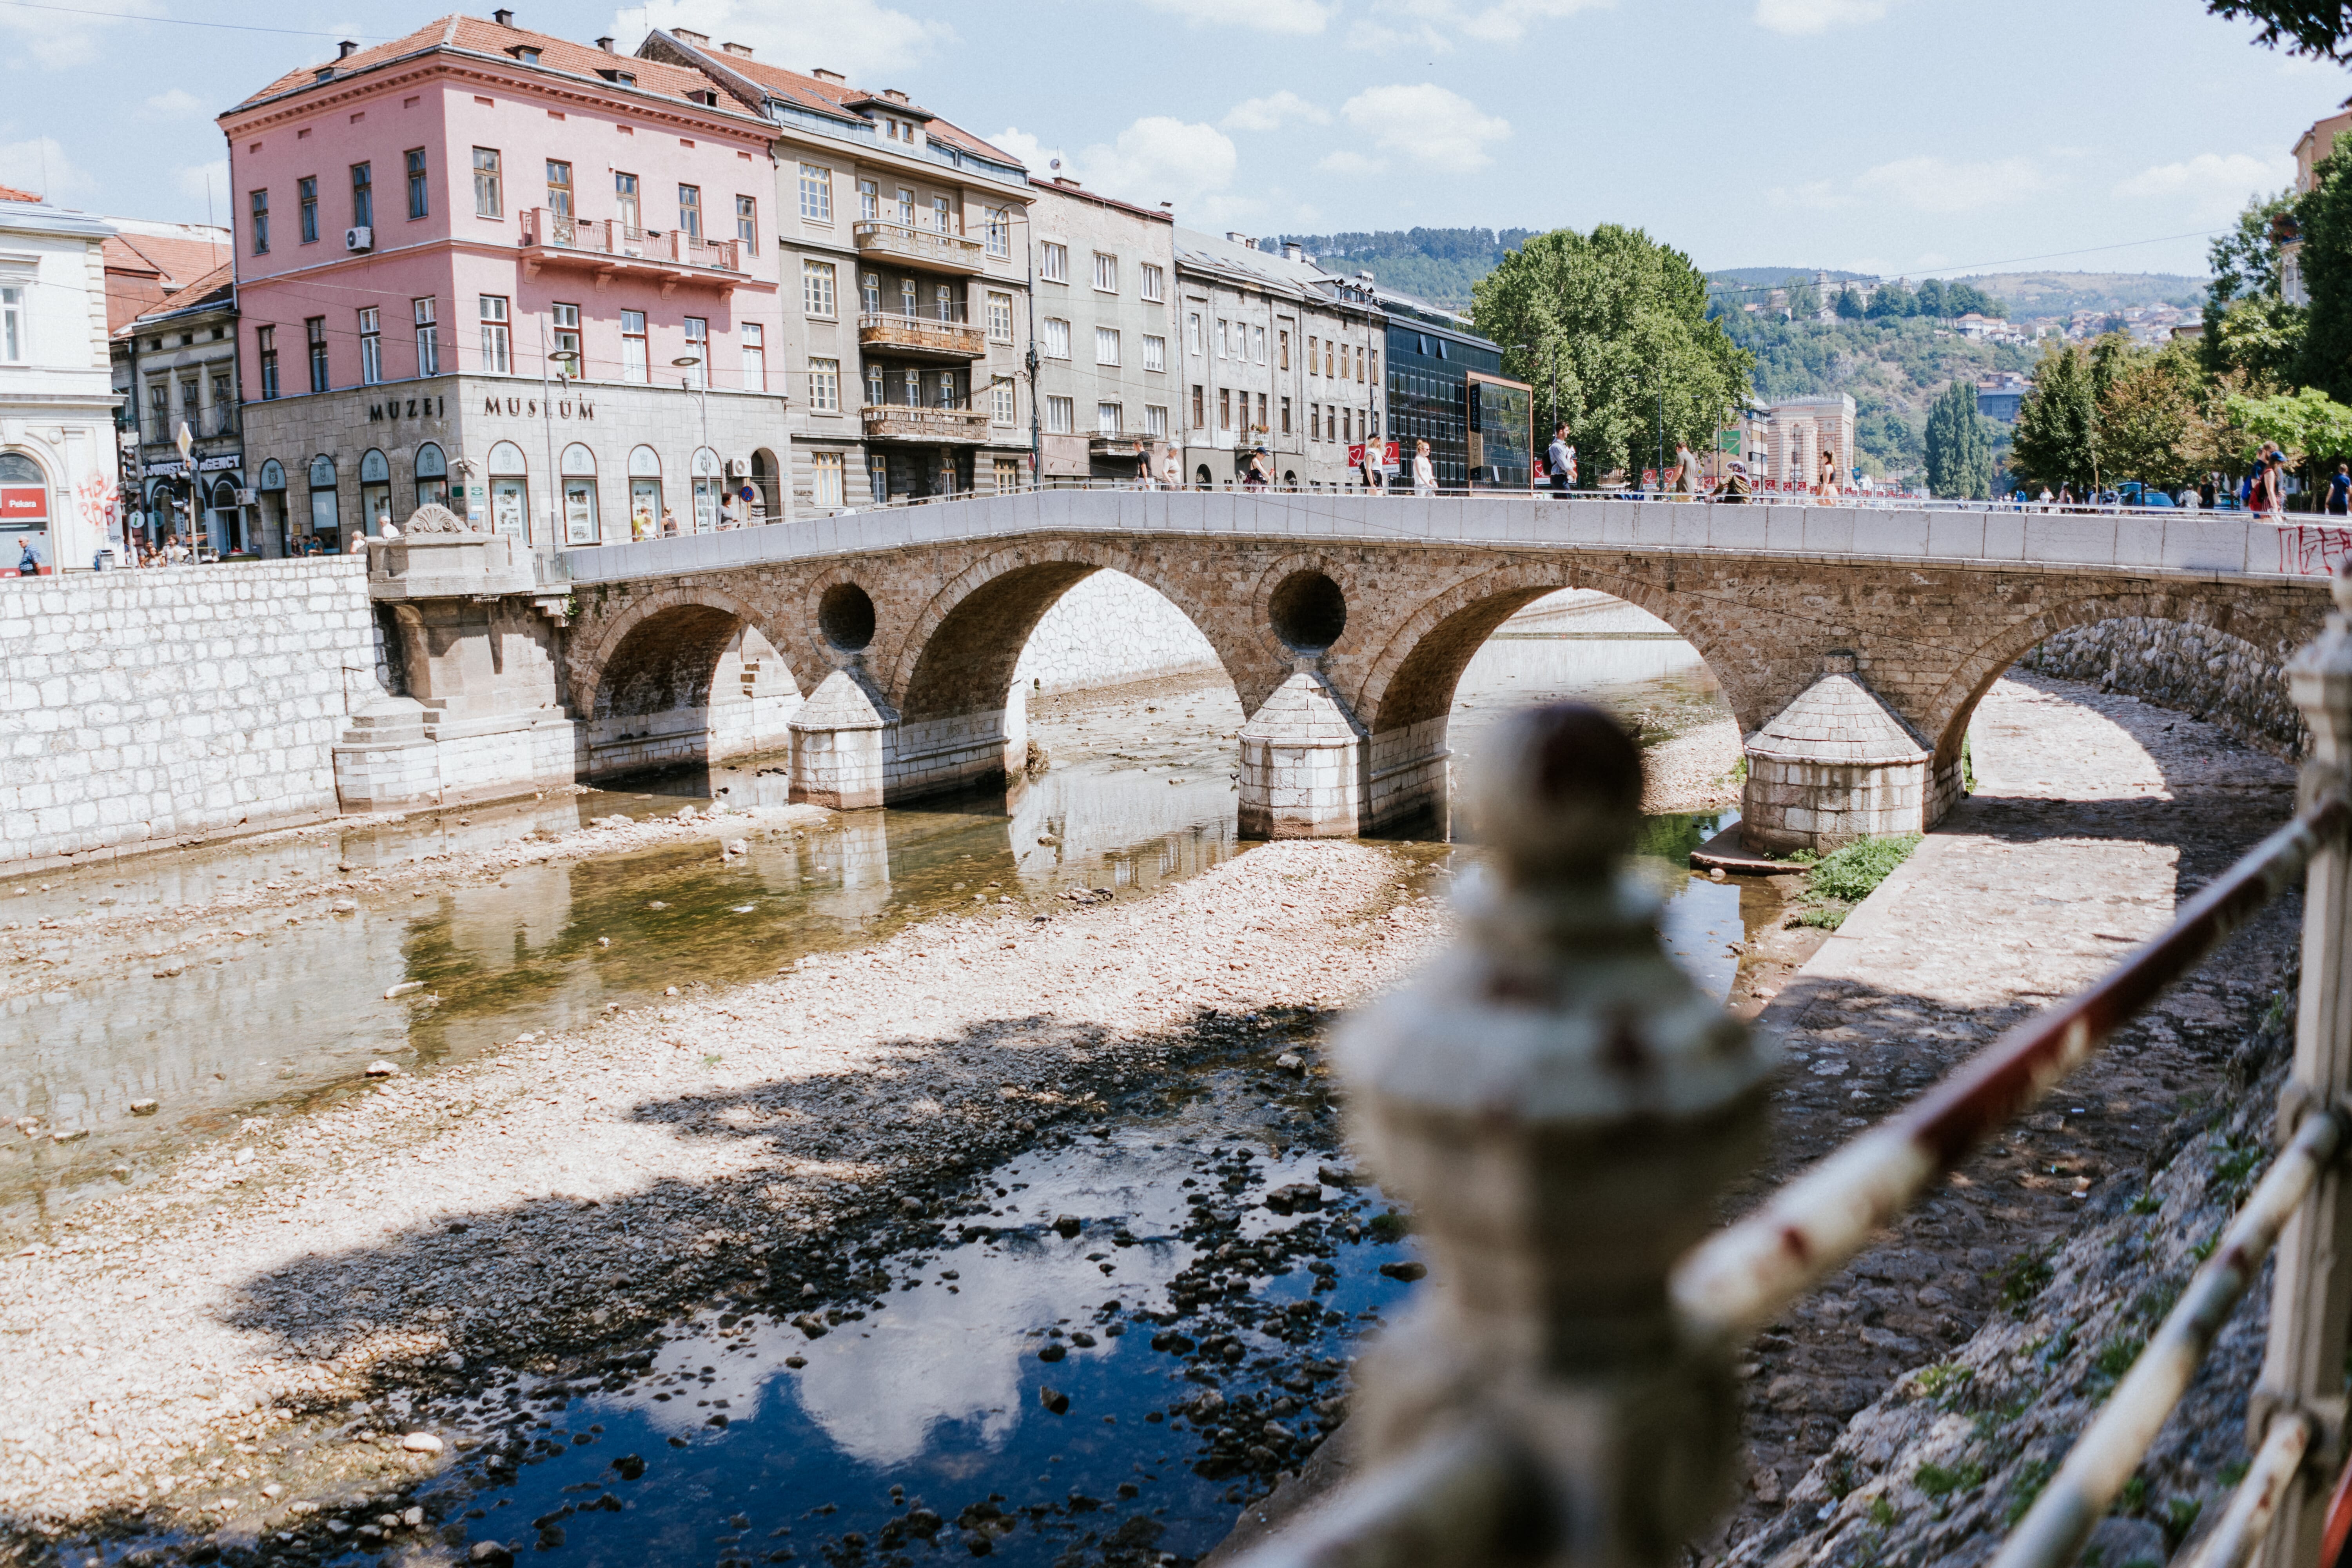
(1275, 352)
(903, 247)
(176, 365)
(1107, 371)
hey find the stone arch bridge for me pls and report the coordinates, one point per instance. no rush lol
(882, 644)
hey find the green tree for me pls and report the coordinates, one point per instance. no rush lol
(2152, 418)
(1931, 297)
(1849, 304)
(1959, 449)
(1625, 320)
(2315, 27)
(1804, 300)
(2056, 439)
(1893, 299)
(2323, 219)
(2248, 327)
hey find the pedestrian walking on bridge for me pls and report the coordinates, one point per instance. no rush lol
(1424, 472)
(1560, 461)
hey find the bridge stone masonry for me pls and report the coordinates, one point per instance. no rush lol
(880, 646)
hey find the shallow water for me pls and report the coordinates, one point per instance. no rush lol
(1137, 797)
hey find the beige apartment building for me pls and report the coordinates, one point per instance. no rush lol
(1106, 368)
(904, 243)
(1275, 352)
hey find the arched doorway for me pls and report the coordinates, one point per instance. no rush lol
(710, 490)
(768, 501)
(432, 475)
(509, 475)
(579, 479)
(24, 515)
(645, 508)
(375, 492)
(326, 513)
(271, 498)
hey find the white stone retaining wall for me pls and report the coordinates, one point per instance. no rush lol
(2211, 675)
(1110, 630)
(145, 707)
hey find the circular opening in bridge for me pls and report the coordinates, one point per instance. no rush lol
(1308, 610)
(845, 617)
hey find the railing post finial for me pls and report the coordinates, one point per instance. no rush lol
(1563, 1108)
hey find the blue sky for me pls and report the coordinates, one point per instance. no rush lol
(1894, 136)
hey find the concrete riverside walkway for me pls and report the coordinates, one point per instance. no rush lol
(2092, 815)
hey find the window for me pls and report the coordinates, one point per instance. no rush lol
(1105, 273)
(825, 386)
(488, 200)
(1286, 417)
(565, 319)
(559, 188)
(370, 347)
(905, 296)
(1001, 400)
(874, 391)
(579, 495)
(633, 345)
(690, 210)
(432, 475)
(1061, 415)
(625, 201)
(824, 479)
(1108, 418)
(1224, 408)
(428, 338)
(375, 492)
(1225, 335)
(510, 492)
(314, 334)
(1192, 332)
(999, 318)
(943, 303)
(495, 358)
(1054, 262)
(1315, 422)
(1000, 232)
(947, 390)
(869, 200)
(816, 287)
(1376, 367)
(906, 206)
(697, 348)
(306, 208)
(1106, 345)
(414, 158)
(755, 356)
(260, 222)
(1057, 339)
(1155, 282)
(1155, 421)
(1281, 348)
(747, 223)
(1261, 408)
(645, 505)
(870, 294)
(363, 195)
(816, 193)
(1155, 353)
(1200, 408)
(1313, 365)
(1360, 363)
(323, 520)
(1328, 347)
(1008, 474)
(943, 214)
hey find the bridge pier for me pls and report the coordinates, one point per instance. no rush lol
(1838, 764)
(839, 745)
(1304, 764)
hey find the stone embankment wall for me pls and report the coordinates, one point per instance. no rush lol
(2212, 675)
(142, 708)
(1111, 630)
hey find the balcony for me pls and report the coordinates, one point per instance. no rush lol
(897, 422)
(1118, 444)
(921, 336)
(613, 248)
(920, 246)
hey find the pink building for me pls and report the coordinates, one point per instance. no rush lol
(533, 278)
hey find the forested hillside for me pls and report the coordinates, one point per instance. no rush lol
(1438, 265)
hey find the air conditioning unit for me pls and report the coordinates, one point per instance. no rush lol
(738, 468)
(361, 238)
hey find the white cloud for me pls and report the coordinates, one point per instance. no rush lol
(41, 166)
(855, 37)
(2211, 185)
(1815, 16)
(1440, 25)
(1427, 124)
(1271, 113)
(1161, 159)
(1034, 153)
(177, 104)
(191, 178)
(1351, 165)
(1942, 185)
(1298, 19)
(58, 38)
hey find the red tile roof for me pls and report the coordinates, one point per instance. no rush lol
(146, 272)
(833, 97)
(207, 289)
(474, 35)
(11, 194)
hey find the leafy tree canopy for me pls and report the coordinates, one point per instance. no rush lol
(1958, 445)
(2313, 28)
(1623, 320)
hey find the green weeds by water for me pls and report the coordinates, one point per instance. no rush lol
(1939, 1483)
(2025, 1277)
(1847, 875)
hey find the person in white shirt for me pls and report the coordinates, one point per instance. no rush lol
(1424, 473)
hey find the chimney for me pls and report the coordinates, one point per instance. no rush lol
(744, 50)
(1365, 275)
(699, 40)
(1066, 182)
(1237, 236)
(895, 96)
(346, 49)
(605, 43)
(823, 75)
(503, 18)
(1294, 252)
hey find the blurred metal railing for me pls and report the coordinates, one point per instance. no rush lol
(1564, 1111)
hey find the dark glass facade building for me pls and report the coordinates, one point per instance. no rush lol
(1445, 387)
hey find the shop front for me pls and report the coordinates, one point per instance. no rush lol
(25, 535)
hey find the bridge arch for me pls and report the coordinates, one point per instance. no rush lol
(681, 676)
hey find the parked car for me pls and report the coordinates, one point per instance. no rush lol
(2132, 492)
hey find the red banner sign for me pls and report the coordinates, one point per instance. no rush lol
(24, 503)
